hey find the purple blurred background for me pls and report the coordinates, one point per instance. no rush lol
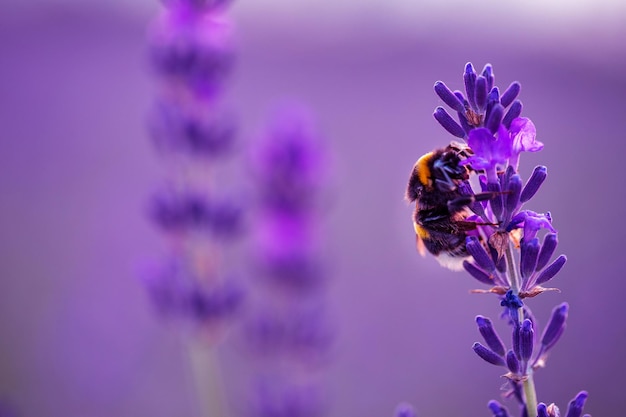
(78, 337)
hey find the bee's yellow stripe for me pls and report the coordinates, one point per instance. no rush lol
(420, 231)
(423, 172)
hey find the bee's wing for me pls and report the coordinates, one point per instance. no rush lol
(419, 243)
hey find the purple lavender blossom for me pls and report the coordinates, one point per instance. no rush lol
(507, 251)
(192, 51)
(177, 293)
(288, 327)
(405, 410)
(177, 131)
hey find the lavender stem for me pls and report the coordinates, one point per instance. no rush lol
(529, 393)
(529, 384)
(207, 378)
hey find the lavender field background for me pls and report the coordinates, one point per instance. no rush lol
(77, 335)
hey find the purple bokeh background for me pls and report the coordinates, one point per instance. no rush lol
(78, 337)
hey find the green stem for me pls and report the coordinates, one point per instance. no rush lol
(512, 270)
(530, 394)
(206, 373)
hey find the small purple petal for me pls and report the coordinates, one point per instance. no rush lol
(527, 340)
(464, 123)
(405, 410)
(489, 76)
(496, 202)
(534, 182)
(485, 327)
(448, 123)
(575, 407)
(529, 251)
(510, 94)
(542, 410)
(488, 355)
(555, 327)
(480, 96)
(497, 410)
(449, 97)
(512, 362)
(551, 270)
(533, 222)
(481, 257)
(494, 118)
(469, 78)
(547, 249)
(494, 95)
(478, 273)
(513, 197)
(523, 132)
(514, 111)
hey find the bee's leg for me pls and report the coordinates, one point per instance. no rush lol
(459, 203)
(467, 226)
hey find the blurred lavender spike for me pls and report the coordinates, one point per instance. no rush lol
(405, 410)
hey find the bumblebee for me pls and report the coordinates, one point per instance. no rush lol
(439, 186)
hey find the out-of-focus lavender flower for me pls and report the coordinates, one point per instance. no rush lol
(275, 397)
(405, 410)
(176, 131)
(178, 293)
(289, 329)
(192, 50)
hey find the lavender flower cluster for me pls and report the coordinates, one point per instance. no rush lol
(191, 52)
(507, 254)
(288, 333)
